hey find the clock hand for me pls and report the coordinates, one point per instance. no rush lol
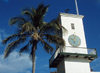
(73, 39)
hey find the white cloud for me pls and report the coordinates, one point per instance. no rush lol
(15, 64)
(3, 33)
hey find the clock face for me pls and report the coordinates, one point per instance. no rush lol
(74, 40)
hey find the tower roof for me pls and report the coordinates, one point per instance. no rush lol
(71, 15)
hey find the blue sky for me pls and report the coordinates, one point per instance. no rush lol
(10, 8)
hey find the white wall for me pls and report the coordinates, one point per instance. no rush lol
(75, 50)
(66, 20)
(94, 72)
(73, 65)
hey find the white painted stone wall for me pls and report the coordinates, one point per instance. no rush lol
(75, 50)
(73, 65)
(66, 20)
(95, 72)
(76, 65)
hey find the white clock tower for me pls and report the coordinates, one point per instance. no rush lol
(75, 57)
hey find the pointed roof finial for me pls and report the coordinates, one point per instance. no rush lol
(76, 7)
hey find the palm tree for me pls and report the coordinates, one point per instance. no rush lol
(32, 30)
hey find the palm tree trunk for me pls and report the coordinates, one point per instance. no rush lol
(33, 63)
(33, 56)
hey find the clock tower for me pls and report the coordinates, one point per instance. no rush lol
(75, 56)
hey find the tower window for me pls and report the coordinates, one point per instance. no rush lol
(72, 26)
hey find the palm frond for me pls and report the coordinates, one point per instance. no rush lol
(28, 12)
(41, 10)
(14, 36)
(49, 28)
(33, 10)
(28, 27)
(12, 46)
(47, 47)
(10, 38)
(57, 23)
(55, 39)
(16, 19)
(25, 48)
(38, 17)
(53, 26)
